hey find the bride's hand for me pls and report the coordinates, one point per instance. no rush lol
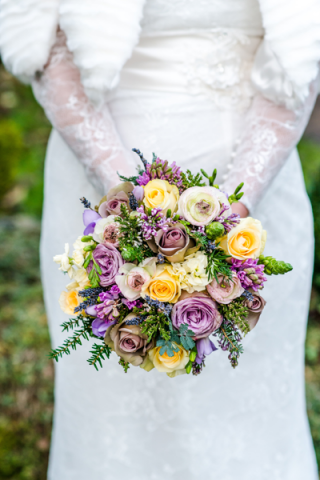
(240, 208)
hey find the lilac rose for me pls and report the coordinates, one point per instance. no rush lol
(199, 312)
(117, 196)
(255, 307)
(109, 260)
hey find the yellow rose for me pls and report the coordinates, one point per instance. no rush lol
(68, 301)
(246, 240)
(172, 366)
(160, 194)
(163, 286)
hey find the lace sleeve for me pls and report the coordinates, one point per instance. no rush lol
(89, 131)
(271, 132)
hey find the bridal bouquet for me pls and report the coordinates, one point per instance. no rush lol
(163, 268)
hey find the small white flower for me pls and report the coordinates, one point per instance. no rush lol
(78, 258)
(64, 261)
(192, 272)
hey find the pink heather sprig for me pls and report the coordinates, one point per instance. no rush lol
(249, 273)
(161, 170)
(150, 224)
(228, 222)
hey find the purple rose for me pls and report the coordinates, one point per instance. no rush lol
(109, 260)
(199, 312)
(204, 348)
(117, 196)
(255, 308)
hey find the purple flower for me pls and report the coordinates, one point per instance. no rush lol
(250, 274)
(138, 192)
(90, 218)
(199, 312)
(204, 347)
(132, 304)
(100, 326)
(160, 169)
(109, 260)
(106, 313)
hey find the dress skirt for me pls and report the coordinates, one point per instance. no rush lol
(249, 423)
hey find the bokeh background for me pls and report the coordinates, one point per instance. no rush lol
(26, 374)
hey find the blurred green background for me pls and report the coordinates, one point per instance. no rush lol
(26, 375)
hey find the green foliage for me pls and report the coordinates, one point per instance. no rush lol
(186, 337)
(76, 339)
(217, 265)
(273, 266)
(212, 178)
(125, 365)
(10, 151)
(131, 246)
(237, 313)
(190, 180)
(237, 195)
(229, 339)
(214, 230)
(167, 347)
(99, 353)
(155, 324)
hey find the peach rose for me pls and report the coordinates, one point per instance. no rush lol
(68, 301)
(225, 290)
(246, 240)
(163, 286)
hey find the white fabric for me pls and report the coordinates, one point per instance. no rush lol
(27, 32)
(103, 33)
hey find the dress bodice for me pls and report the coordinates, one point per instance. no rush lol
(197, 47)
(176, 15)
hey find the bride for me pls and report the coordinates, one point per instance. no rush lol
(208, 83)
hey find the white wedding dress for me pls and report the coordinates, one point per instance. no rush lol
(186, 94)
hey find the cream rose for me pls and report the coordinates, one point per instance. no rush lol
(160, 194)
(163, 286)
(246, 240)
(172, 366)
(201, 205)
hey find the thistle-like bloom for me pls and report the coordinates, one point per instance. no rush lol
(249, 273)
(150, 224)
(161, 170)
